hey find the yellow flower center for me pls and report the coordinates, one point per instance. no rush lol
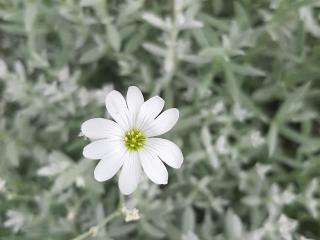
(134, 139)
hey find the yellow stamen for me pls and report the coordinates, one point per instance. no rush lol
(134, 139)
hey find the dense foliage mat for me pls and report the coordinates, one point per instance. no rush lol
(245, 75)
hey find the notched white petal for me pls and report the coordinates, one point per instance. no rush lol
(163, 123)
(101, 148)
(134, 101)
(117, 108)
(153, 167)
(99, 128)
(150, 110)
(166, 150)
(134, 98)
(108, 167)
(130, 174)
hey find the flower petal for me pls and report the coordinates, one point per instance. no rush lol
(163, 123)
(108, 167)
(117, 108)
(98, 128)
(130, 174)
(134, 101)
(134, 98)
(149, 110)
(166, 150)
(101, 148)
(153, 167)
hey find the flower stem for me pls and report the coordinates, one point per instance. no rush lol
(94, 230)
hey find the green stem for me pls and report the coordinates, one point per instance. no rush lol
(89, 233)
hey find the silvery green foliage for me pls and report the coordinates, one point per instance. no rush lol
(245, 75)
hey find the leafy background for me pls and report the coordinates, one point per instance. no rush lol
(245, 75)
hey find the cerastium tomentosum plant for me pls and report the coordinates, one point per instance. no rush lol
(176, 49)
(129, 141)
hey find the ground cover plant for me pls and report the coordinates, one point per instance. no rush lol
(244, 75)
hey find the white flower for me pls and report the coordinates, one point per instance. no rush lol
(128, 142)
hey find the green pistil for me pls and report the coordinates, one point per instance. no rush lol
(134, 139)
